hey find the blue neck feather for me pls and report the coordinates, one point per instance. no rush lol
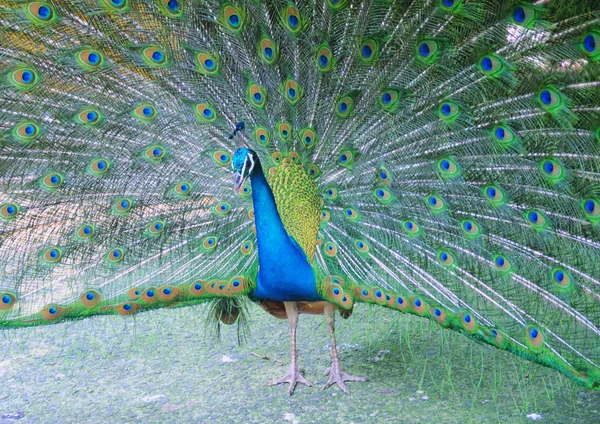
(285, 273)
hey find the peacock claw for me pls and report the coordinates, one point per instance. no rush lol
(339, 377)
(292, 377)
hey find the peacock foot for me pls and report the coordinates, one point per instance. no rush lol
(338, 376)
(292, 377)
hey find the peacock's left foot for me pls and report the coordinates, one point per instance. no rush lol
(338, 376)
(292, 377)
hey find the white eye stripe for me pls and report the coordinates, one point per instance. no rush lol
(249, 156)
(251, 163)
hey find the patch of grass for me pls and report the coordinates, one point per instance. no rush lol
(163, 367)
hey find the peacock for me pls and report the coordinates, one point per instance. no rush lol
(439, 158)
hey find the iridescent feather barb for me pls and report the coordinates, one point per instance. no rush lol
(438, 158)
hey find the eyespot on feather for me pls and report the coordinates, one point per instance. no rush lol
(294, 157)
(144, 112)
(435, 204)
(563, 280)
(590, 44)
(207, 63)
(246, 248)
(134, 293)
(262, 136)
(411, 227)
(237, 284)
(172, 8)
(122, 206)
(445, 258)
(494, 194)
(52, 312)
(308, 137)
(330, 249)
(536, 219)
(552, 170)
(292, 92)
(502, 263)
(351, 214)
(7, 301)
(438, 315)
(524, 15)
(256, 95)
(26, 132)
(389, 100)
(9, 211)
(346, 158)
(155, 57)
(199, 288)
(383, 195)
(418, 305)
(233, 18)
(470, 228)
(428, 51)
(167, 293)
(314, 171)
(325, 217)
(344, 107)
(118, 6)
(90, 298)
(182, 189)
(284, 131)
(89, 59)
(468, 322)
(504, 135)
(205, 113)
(368, 50)
(292, 19)
(363, 294)
(268, 50)
(98, 167)
(331, 193)
(591, 210)
(154, 154)
(448, 168)
(534, 338)
(51, 181)
(115, 255)
(85, 231)
(209, 243)
(550, 99)
(449, 111)
(88, 116)
(324, 58)
(451, 5)
(156, 227)
(24, 78)
(222, 208)
(40, 13)
(127, 308)
(150, 295)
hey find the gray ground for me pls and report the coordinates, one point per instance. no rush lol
(162, 367)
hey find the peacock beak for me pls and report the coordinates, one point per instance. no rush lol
(238, 181)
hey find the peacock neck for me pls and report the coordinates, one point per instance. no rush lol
(270, 231)
(284, 273)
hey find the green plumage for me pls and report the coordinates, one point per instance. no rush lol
(440, 158)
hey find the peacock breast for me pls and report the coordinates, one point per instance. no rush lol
(298, 204)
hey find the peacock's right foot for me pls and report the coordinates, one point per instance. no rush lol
(292, 377)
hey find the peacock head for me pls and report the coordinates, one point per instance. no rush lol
(243, 163)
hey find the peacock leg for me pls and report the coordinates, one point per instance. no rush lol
(293, 376)
(336, 374)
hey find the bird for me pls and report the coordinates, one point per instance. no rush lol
(439, 158)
